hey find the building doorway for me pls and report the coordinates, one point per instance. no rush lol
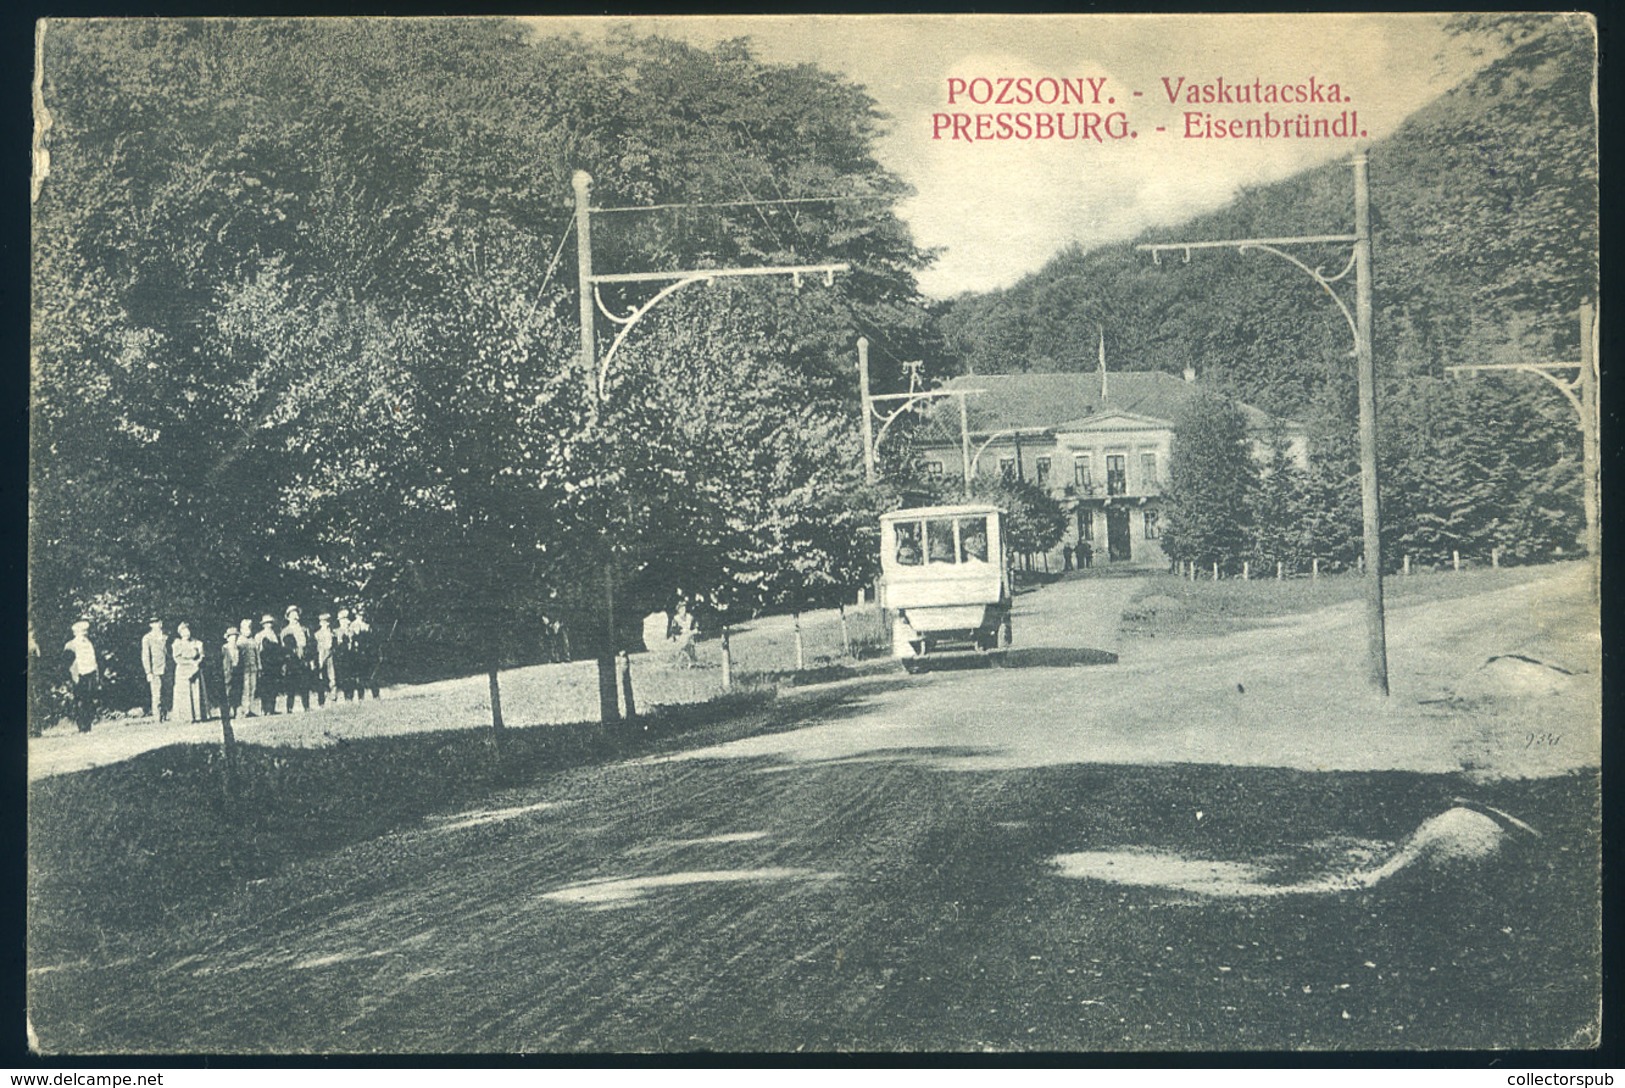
(1117, 547)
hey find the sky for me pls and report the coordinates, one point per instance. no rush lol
(998, 210)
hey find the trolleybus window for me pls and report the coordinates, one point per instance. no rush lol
(908, 544)
(973, 540)
(939, 540)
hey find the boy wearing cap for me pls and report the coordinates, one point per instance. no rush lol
(84, 673)
(155, 663)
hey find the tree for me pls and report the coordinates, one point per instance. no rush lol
(1033, 522)
(1280, 507)
(1212, 478)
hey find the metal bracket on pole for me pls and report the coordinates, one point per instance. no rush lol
(676, 281)
(1569, 388)
(1581, 392)
(1273, 247)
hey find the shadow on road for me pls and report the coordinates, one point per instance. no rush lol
(926, 754)
(1057, 657)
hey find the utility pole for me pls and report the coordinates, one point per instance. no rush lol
(1359, 323)
(964, 442)
(1370, 486)
(596, 370)
(868, 424)
(1581, 393)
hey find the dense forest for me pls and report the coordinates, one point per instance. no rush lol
(1485, 240)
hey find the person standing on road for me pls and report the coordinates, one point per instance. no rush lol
(188, 695)
(327, 680)
(248, 653)
(270, 648)
(297, 658)
(155, 663)
(1066, 557)
(84, 674)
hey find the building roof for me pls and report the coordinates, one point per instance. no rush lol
(1062, 401)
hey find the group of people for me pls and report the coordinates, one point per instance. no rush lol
(1084, 552)
(259, 668)
(254, 669)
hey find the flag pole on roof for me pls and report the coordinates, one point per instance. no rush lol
(1099, 329)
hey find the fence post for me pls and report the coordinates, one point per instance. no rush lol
(626, 682)
(1361, 562)
(727, 661)
(1280, 571)
(801, 657)
(1215, 570)
(1495, 558)
(1314, 570)
(1407, 566)
(1246, 570)
(1455, 560)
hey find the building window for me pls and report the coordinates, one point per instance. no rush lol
(1116, 474)
(933, 468)
(1043, 472)
(1082, 471)
(1151, 520)
(1086, 526)
(1148, 471)
(1007, 467)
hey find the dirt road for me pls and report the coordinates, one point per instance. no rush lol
(891, 874)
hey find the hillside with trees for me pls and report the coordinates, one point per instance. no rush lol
(1485, 235)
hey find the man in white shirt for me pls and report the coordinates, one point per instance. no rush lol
(84, 673)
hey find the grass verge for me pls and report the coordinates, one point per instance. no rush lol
(1169, 606)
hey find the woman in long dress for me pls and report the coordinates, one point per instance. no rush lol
(188, 695)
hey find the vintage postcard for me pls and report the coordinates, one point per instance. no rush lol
(814, 534)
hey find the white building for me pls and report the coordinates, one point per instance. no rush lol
(1098, 442)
